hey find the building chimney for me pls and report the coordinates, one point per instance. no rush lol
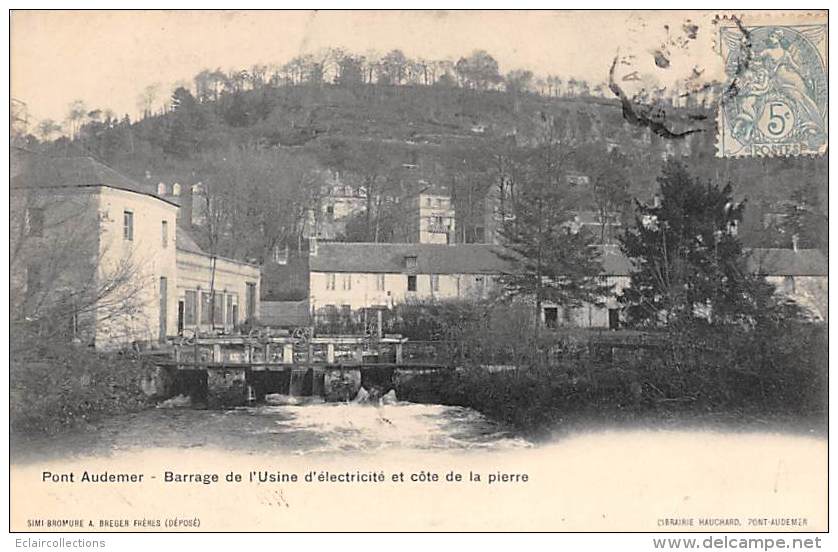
(312, 246)
(795, 242)
(176, 189)
(161, 189)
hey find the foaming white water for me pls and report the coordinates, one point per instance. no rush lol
(365, 427)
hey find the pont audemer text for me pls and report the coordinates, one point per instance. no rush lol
(91, 477)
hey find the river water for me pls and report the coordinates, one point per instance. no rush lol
(602, 480)
(305, 429)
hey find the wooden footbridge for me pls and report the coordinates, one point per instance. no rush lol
(300, 349)
(234, 369)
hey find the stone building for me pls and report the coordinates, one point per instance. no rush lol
(431, 217)
(213, 293)
(104, 254)
(799, 274)
(347, 277)
(351, 276)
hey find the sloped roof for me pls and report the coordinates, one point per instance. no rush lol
(482, 259)
(185, 242)
(76, 172)
(788, 262)
(390, 257)
(432, 258)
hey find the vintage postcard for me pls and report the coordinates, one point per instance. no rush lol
(280, 271)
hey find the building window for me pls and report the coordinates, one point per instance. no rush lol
(230, 320)
(218, 310)
(128, 225)
(379, 282)
(190, 308)
(206, 305)
(551, 317)
(35, 222)
(434, 282)
(164, 233)
(411, 283)
(330, 281)
(251, 298)
(347, 282)
(410, 262)
(788, 285)
(480, 283)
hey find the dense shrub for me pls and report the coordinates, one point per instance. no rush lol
(770, 373)
(57, 386)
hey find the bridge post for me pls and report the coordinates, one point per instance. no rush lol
(399, 353)
(227, 387)
(288, 353)
(330, 353)
(216, 353)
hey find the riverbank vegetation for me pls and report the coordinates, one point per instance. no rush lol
(705, 336)
(54, 387)
(720, 375)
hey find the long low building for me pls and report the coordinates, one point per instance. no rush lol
(347, 277)
(99, 258)
(361, 275)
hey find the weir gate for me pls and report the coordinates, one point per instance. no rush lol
(241, 369)
(238, 369)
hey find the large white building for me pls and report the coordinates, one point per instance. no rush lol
(359, 275)
(352, 276)
(96, 247)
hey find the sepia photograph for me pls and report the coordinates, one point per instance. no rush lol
(419, 271)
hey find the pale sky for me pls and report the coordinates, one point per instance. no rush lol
(107, 58)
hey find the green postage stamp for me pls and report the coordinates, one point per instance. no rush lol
(774, 102)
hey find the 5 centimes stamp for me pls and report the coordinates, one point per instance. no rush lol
(774, 102)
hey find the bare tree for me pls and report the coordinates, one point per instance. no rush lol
(65, 284)
(46, 129)
(76, 114)
(18, 119)
(146, 99)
